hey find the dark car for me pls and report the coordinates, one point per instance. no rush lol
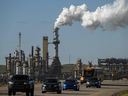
(93, 83)
(71, 84)
(51, 85)
(21, 83)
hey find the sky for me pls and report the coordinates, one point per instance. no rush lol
(36, 18)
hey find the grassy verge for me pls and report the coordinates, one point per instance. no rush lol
(121, 93)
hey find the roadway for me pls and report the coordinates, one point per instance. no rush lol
(107, 89)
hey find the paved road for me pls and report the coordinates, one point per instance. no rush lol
(107, 89)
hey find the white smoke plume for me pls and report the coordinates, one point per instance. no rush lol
(109, 16)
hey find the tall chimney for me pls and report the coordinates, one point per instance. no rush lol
(32, 51)
(45, 52)
(56, 41)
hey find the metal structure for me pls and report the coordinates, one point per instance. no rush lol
(17, 63)
(55, 68)
(35, 65)
(10, 65)
(78, 69)
(56, 41)
(14, 64)
(20, 64)
(114, 68)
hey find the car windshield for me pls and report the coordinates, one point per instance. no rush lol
(51, 81)
(70, 81)
(20, 77)
(94, 80)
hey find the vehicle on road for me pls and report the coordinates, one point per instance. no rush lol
(94, 82)
(71, 84)
(21, 83)
(90, 73)
(51, 85)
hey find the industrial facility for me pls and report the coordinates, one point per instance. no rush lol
(114, 68)
(38, 66)
(35, 65)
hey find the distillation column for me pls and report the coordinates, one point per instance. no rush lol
(19, 66)
(56, 65)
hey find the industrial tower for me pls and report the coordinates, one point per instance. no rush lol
(55, 69)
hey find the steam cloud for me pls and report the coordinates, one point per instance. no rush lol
(109, 16)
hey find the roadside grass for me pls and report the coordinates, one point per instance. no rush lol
(126, 94)
(121, 93)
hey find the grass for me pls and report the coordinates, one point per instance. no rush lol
(121, 93)
(125, 94)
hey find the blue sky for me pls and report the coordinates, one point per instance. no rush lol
(35, 19)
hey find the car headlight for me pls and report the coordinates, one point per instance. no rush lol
(88, 82)
(43, 85)
(64, 85)
(74, 85)
(25, 83)
(10, 82)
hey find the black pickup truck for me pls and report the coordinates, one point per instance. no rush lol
(21, 83)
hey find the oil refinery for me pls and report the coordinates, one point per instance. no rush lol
(38, 66)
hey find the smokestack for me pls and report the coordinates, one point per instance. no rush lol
(56, 40)
(55, 69)
(20, 46)
(45, 52)
(32, 51)
(56, 29)
(107, 17)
